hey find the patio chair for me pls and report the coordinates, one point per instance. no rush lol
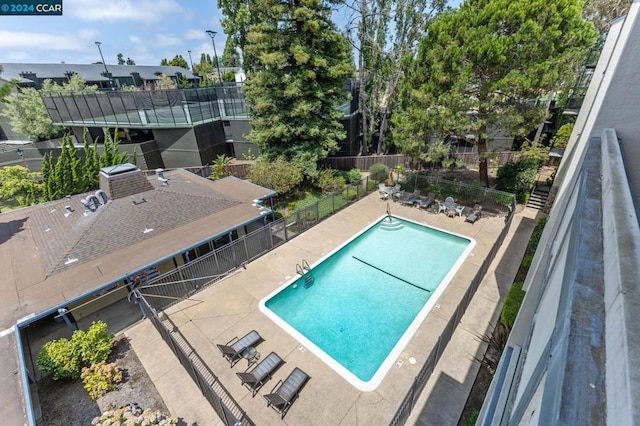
(384, 191)
(475, 214)
(425, 203)
(442, 207)
(254, 379)
(232, 351)
(285, 393)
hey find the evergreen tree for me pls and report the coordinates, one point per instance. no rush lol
(91, 164)
(45, 171)
(130, 61)
(485, 64)
(299, 66)
(120, 59)
(64, 171)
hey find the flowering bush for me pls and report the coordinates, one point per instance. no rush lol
(100, 378)
(133, 415)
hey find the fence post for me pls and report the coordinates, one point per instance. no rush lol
(317, 211)
(333, 202)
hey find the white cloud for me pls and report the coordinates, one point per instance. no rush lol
(122, 10)
(195, 35)
(167, 40)
(135, 39)
(21, 39)
(88, 34)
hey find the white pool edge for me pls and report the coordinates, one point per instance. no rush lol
(406, 337)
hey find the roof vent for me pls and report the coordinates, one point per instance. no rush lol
(70, 260)
(161, 178)
(67, 211)
(147, 229)
(137, 201)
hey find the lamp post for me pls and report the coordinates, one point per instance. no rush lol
(20, 152)
(212, 34)
(104, 63)
(190, 61)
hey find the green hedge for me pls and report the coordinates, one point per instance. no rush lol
(512, 305)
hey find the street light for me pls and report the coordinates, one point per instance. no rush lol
(190, 61)
(212, 34)
(104, 63)
(20, 152)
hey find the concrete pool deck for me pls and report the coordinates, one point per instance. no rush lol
(230, 308)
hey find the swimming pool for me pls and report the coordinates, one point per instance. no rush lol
(369, 296)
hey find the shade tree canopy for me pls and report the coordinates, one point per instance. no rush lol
(487, 64)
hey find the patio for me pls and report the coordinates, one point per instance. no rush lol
(230, 308)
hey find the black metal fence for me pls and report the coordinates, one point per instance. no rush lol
(419, 382)
(492, 201)
(209, 268)
(212, 389)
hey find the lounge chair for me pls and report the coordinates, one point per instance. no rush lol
(475, 214)
(285, 393)
(254, 379)
(425, 203)
(232, 351)
(412, 199)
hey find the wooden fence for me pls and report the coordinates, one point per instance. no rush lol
(471, 160)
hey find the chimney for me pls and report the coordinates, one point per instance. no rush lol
(123, 180)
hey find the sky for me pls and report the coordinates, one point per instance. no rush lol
(144, 30)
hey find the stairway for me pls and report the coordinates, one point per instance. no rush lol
(538, 198)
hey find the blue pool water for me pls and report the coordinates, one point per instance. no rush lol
(365, 295)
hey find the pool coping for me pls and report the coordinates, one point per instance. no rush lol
(389, 360)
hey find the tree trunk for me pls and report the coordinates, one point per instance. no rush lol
(482, 161)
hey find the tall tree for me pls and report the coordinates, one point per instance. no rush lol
(299, 66)
(130, 61)
(177, 61)
(602, 12)
(121, 59)
(27, 113)
(18, 183)
(481, 66)
(387, 34)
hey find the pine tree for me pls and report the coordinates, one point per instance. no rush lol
(484, 65)
(106, 159)
(91, 164)
(298, 66)
(45, 170)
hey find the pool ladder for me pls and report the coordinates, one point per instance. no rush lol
(304, 270)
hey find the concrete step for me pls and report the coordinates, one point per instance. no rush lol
(538, 199)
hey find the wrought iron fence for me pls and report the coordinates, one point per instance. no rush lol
(419, 382)
(187, 279)
(212, 389)
(492, 201)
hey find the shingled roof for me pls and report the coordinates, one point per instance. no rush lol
(49, 254)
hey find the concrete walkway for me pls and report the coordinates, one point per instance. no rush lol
(230, 308)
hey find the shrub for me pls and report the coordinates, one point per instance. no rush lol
(60, 357)
(371, 185)
(218, 165)
(349, 194)
(279, 175)
(517, 177)
(65, 358)
(95, 344)
(512, 305)
(379, 172)
(328, 181)
(352, 176)
(100, 378)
